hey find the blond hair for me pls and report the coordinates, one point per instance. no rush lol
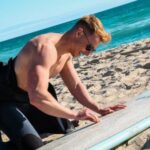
(94, 25)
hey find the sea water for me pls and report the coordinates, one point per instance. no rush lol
(126, 23)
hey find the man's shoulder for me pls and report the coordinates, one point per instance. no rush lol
(43, 44)
(44, 52)
(40, 43)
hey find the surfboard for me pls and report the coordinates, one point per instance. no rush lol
(113, 129)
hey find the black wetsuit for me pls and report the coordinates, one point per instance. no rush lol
(22, 122)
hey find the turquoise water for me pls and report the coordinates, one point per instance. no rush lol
(126, 24)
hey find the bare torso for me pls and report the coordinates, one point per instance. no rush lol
(30, 52)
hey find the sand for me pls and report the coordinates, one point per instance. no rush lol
(111, 77)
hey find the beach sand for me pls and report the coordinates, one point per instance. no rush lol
(111, 77)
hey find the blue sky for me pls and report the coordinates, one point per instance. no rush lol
(19, 17)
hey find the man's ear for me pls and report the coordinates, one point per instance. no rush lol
(79, 32)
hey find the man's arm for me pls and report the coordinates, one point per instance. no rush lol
(39, 96)
(78, 90)
(75, 86)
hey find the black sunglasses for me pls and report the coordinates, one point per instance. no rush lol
(89, 46)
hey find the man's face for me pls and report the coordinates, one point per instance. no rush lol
(86, 43)
(92, 42)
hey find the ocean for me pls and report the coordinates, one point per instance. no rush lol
(126, 23)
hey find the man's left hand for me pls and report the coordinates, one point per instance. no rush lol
(111, 109)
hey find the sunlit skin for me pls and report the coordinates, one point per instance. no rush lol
(81, 43)
(47, 55)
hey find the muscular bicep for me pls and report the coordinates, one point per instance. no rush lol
(38, 73)
(38, 77)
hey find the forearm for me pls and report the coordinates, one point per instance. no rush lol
(82, 95)
(47, 104)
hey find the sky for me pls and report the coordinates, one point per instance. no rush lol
(25, 16)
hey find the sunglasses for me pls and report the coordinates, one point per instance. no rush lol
(89, 46)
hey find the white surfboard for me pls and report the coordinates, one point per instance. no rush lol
(113, 129)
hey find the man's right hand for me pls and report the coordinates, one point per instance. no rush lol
(87, 114)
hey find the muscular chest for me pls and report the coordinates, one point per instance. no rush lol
(57, 68)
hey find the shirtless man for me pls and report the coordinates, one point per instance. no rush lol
(42, 58)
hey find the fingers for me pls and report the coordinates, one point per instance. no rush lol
(111, 109)
(91, 116)
(106, 111)
(88, 115)
(118, 107)
(95, 118)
